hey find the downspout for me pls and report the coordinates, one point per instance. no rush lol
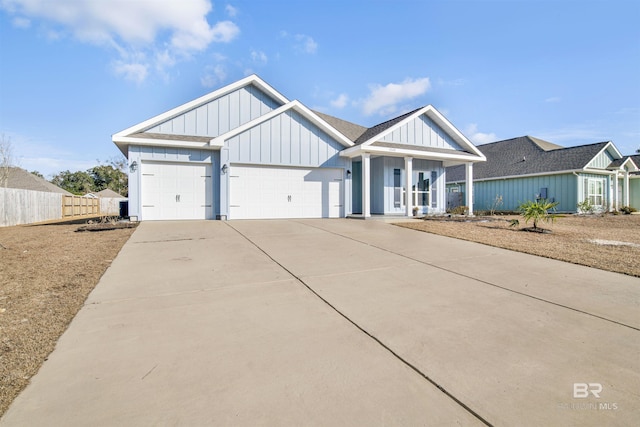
(577, 192)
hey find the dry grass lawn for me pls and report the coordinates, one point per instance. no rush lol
(46, 273)
(608, 242)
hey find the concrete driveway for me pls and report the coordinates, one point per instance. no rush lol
(339, 322)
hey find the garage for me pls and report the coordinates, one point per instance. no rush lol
(173, 191)
(258, 192)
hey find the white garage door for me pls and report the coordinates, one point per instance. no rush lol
(265, 192)
(176, 191)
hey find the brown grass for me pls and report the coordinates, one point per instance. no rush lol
(46, 274)
(571, 238)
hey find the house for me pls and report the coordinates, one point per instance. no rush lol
(245, 151)
(25, 180)
(528, 168)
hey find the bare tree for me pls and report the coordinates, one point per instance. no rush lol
(6, 159)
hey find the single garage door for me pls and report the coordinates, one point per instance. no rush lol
(176, 191)
(258, 192)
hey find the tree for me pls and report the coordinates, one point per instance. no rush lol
(6, 159)
(638, 150)
(38, 174)
(538, 211)
(74, 182)
(106, 176)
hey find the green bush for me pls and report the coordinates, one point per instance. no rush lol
(628, 210)
(537, 211)
(459, 210)
(585, 207)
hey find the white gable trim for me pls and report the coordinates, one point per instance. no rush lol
(293, 105)
(250, 80)
(123, 141)
(611, 149)
(438, 119)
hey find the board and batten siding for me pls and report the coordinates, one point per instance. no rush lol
(220, 115)
(288, 139)
(422, 131)
(601, 161)
(141, 154)
(561, 188)
(634, 193)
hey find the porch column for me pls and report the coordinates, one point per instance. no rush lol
(366, 181)
(408, 170)
(616, 191)
(625, 188)
(469, 187)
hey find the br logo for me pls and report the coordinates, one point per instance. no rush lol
(582, 390)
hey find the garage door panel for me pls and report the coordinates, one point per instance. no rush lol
(176, 191)
(265, 192)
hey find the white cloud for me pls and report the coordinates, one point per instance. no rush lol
(341, 101)
(553, 99)
(259, 57)
(180, 27)
(305, 44)
(20, 22)
(214, 75)
(479, 137)
(231, 11)
(385, 99)
(135, 72)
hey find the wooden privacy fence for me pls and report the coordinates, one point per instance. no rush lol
(79, 206)
(18, 206)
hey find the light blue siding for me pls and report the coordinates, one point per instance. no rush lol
(601, 161)
(377, 185)
(422, 131)
(141, 154)
(560, 188)
(634, 193)
(286, 140)
(220, 115)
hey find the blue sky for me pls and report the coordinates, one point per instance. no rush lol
(74, 72)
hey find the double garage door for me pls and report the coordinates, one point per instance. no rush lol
(173, 191)
(258, 192)
(176, 191)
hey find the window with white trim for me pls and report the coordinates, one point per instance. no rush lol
(594, 191)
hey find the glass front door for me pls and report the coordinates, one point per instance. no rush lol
(421, 194)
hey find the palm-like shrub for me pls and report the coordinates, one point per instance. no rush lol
(538, 211)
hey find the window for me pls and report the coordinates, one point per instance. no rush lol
(594, 191)
(397, 188)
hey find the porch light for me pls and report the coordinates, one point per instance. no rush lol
(224, 169)
(348, 173)
(133, 166)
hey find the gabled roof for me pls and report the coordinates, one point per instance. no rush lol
(22, 179)
(348, 129)
(371, 140)
(293, 105)
(632, 161)
(107, 193)
(526, 155)
(136, 134)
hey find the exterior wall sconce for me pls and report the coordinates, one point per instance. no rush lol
(133, 166)
(224, 169)
(348, 173)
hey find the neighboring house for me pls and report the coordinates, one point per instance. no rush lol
(247, 152)
(528, 168)
(106, 193)
(25, 180)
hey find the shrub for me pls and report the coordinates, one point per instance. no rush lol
(585, 207)
(627, 210)
(459, 210)
(537, 211)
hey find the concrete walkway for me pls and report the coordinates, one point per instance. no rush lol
(339, 322)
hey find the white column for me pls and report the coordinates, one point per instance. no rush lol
(469, 187)
(625, 188)
(616, 191)
(366, 184)
(408, 170)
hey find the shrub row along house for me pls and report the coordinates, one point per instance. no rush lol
(247, 152)
(528, 168)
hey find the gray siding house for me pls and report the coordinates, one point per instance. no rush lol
(245, 151)
(528, 168)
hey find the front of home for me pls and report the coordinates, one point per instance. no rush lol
(246, 152)
(527, 168)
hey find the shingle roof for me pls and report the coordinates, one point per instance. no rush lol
(381, 127)
(526, 155)
(109, 193)
(20, 178)
(348, 129)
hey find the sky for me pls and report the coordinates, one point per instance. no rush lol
(75, 72)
